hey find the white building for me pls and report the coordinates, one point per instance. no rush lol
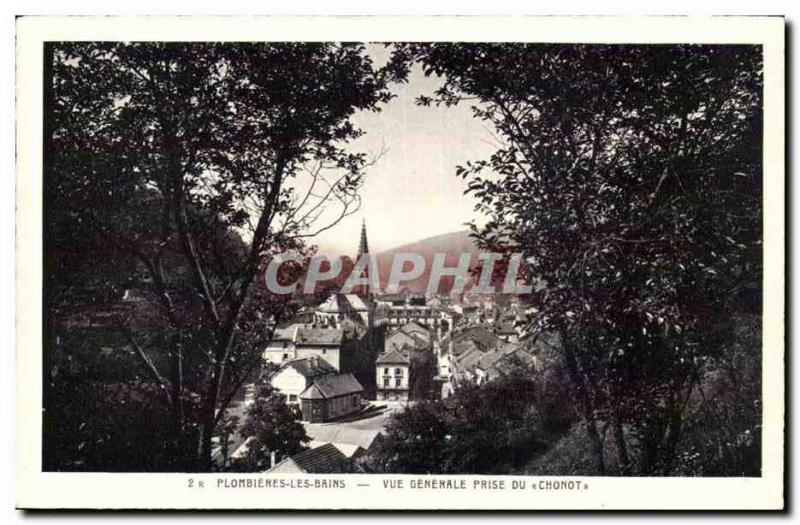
(340, 307)
(392, 375)
(298, 341)
(297, 375)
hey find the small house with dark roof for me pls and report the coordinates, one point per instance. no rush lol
(392, 374)
(330, 397)
(297, 375)
(326, 459)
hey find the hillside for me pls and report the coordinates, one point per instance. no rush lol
(453, 244)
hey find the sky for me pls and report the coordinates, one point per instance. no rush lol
(412, 191)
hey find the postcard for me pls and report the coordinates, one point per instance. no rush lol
(400, 263)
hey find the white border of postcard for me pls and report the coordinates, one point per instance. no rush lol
(36, 489)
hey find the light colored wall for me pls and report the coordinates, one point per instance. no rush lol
(289, 383)
(393, 376)
(330, 355)
(274, 351)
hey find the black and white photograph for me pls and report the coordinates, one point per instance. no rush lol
(405, 262)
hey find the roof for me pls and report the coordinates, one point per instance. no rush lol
(480, 335)
(244, 448)
(331, 304)
(416, 340)
(462, 347)
(320, 460)
(505, 328)
(392, 358)
(356, 303)
(286, 333)
(318, 336)
(342, 434)
(470, 358)
(416, 328)
(489, 359)
(348, 449)
(330, 386)
(338, 302)
(392, 298)
(310, 366)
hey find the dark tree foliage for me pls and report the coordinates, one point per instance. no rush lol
(117, 427)
(171, 169)
(722, 435)
(631, 179)
(490, 428)
(273, 427)
(421, 374)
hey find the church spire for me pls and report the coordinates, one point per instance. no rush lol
(363, 249)
(362, 246)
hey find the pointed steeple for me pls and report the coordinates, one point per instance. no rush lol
(363, 248)
(362, 245)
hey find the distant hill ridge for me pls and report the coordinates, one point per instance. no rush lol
(453, 244)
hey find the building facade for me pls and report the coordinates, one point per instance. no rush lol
(392, 376)
(294, 377)
(298, 342)
(331, 397)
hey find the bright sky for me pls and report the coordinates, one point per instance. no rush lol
(412, 192)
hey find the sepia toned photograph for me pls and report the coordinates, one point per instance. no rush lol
(403, 262)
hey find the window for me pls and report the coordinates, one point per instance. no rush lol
(324, 351)
(398, 371)
(285, 357)
(355, 401)
(398, 382)
(386, 383)
(386, 371)
(292, 398)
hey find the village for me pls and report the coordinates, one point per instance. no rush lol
(351, 362)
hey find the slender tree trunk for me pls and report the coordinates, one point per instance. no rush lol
(587, 408)
(622, 447)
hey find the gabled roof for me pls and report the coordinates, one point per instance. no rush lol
(355, 302)
(338, 434)
(326, 458)
(413, 327)
(331, 305)
(488, 359)
(392, 358)
(343, 303)
(286, 333)
(321, 460)
(506, 364)
(462, 347)
(482, 336)
(416, 340)
(469, 358)
(318, 336)
(330, 386)
(310, 367)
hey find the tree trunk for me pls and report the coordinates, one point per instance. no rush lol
(622, 448)
(587, 408)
